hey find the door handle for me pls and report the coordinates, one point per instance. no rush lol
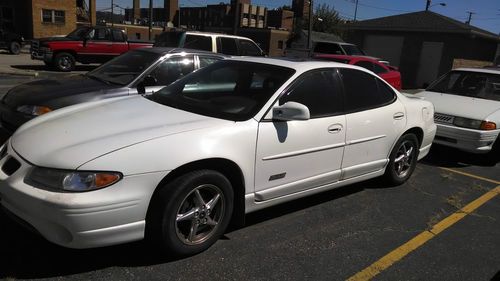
(398, 115)
(333, 129)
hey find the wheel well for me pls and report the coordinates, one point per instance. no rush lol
(226, 167)
(418, 132)
(71, 52)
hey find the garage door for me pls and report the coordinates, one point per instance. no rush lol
(385, 47)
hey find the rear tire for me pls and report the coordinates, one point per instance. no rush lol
(64, 62)
(15, 48)
(190, 213)
(402, 160)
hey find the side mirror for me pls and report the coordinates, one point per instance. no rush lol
(291, 111)
(147, 81)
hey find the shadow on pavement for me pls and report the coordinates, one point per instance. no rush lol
(450, 157)
(38, 67)
(28, 255)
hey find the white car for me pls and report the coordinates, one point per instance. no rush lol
(226, 140)
(467, 103)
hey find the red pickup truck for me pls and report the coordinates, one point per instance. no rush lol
(85, 45)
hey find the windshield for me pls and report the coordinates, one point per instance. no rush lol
(470, 84)
(231, 90)
(125, 68)
(353, 50)
(78, 33)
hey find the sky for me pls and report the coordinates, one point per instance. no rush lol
(486, 12)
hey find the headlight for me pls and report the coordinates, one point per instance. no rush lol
(33, 110)
(76, 181)
(474, 124)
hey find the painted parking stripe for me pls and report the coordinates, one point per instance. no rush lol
(470, 175)
(403, 250)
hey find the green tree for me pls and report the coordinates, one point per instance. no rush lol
(327, 20)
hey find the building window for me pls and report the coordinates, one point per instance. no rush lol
(53, 16)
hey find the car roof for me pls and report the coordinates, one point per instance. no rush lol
(167, 50)
(216, 34)
(482, 70)
(297, 64)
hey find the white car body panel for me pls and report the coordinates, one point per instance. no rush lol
(146, 141)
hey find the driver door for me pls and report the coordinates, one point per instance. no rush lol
(294, 156)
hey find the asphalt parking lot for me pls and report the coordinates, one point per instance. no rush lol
(443, 224)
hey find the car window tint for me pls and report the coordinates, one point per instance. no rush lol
(470, 84)
(172, 69)
(362, 91)
(118, 36)
(228, 46)
(248, 48)
(318, 91)
(387, 95)
(378, 69)
(327, 48)
(207, 60)
(102, 34)
(365, 64)
(198, 42)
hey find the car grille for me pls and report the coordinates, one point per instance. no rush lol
(443, 118)
(10, 166)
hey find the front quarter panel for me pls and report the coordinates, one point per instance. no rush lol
(234, 141)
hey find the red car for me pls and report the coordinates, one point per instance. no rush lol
(388, 73)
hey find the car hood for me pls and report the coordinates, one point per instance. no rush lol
(41, 91)
(69, 137)
(455, 105)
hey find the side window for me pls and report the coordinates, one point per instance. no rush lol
(362, 91)
(319, 92)
(248, 48)
(327, 48)
(198, 42)
(379, 69)
(228, 46)
(205, 61)
(118, 35)
(172, 69)
(102, 34)
(365, 64)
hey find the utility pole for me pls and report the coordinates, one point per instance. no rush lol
(236, 16)
(470, 17)
(150, 18)
(112, 20)
(309, 33)
(427, 5)
(356, 10)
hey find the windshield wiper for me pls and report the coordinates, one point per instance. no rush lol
(102, 80)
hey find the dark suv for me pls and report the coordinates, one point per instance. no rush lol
(11, 41)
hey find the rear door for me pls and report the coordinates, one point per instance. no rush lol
(294, 156)
(374, 119)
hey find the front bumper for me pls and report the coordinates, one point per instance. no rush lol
(112, 215)
(41, 55)
(470, 140)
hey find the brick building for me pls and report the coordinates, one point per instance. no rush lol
(42, 18)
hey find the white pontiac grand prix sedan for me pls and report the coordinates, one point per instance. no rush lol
(467, 102)
(237, 136)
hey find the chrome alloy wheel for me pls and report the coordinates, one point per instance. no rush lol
(199, 214)
(64, 63)
(404, 158)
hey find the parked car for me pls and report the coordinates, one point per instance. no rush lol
(236, 136)
(467, 102)
(11, 41)
(388, 73)
(212, 42)
(85, 44)
(145, 70)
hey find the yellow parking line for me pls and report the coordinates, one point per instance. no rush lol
(403, 250)
(470, 175)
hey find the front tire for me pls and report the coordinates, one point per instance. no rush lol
(402, 160)
(64, 62)
(15, 48)
(190, 213)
